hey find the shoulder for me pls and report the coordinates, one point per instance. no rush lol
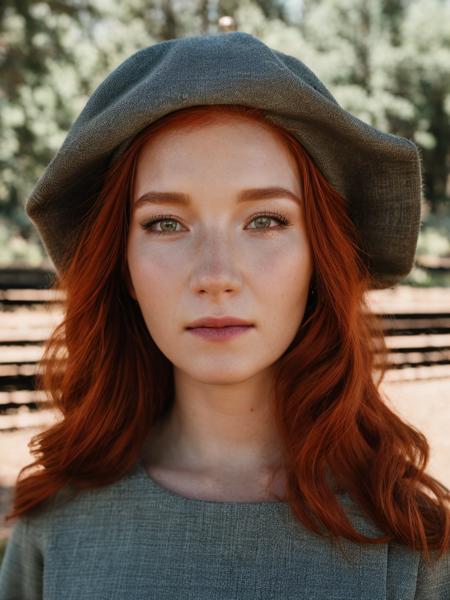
(412, 576)
(72, 508)
(407, 573)
(65, 521)
(433, 578)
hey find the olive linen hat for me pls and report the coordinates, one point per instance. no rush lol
(378, 173)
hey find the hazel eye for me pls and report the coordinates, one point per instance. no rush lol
(265, 218)
(262, 217)
(161, 219)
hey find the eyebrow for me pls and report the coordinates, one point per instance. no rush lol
(266, 193)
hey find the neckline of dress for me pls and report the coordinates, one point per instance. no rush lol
(162, 491)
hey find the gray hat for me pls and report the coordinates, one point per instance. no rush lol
(378, 173)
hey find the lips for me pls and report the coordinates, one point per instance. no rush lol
(215, 322)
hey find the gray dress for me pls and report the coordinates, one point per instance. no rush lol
(136, 540)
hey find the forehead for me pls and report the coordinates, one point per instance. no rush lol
(235, 148)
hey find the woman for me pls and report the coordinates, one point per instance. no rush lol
(210, 179)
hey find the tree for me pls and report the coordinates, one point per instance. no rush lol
(386, 61)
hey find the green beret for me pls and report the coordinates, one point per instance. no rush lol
(378, 173)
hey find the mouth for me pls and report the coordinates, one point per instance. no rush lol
(219, 323)
(220, 333)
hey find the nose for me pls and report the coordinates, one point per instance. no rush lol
(215, 270)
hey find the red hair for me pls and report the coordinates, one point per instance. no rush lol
(102, 371)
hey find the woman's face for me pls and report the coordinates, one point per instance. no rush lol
(216, 257)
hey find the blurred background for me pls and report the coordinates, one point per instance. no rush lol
(386, 61)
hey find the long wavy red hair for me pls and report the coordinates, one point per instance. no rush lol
(110, 383)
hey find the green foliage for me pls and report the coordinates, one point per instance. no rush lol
(423, 278)
(387, 61)
(434, 239)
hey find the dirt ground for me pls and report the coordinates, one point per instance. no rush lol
(424, 404)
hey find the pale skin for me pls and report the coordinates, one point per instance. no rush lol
(219, 442)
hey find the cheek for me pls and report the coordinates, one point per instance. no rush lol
(154, 275)
(283, 288)
(283, 269)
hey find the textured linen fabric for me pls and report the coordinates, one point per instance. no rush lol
(134, 539)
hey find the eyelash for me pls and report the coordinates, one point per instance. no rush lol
(275, 215)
